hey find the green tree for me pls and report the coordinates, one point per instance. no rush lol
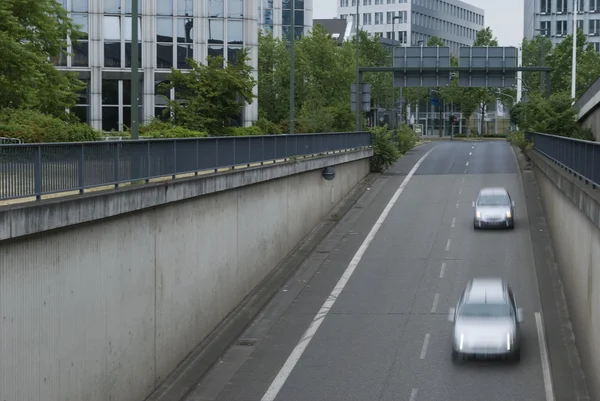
(273, 78)
(32, 33)
(535, 53)
(211, 95)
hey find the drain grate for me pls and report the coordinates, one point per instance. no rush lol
(249, 342)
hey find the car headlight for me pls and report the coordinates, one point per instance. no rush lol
(508, 214)
(478, 214)
(508, 341)
(462, 340)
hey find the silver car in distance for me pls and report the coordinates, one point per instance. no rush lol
(494, 208)
(486, 321)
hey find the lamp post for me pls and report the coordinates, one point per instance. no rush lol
(358, 94)
(135, 74)
(574, 56)
(394, 18)
(292, 68)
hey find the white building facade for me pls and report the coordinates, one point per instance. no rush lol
(554, 19)
(169, 32)
(275, 17)
(415, 21)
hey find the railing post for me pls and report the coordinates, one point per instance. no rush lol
(174, 159)
(81, 168)
(37, 173)
(116, 164)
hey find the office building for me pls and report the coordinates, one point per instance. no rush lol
(414, 22)
(554, 19)
(169, 32)
(275, 17)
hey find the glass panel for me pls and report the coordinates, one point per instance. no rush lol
(127, 115)
(63, 3)
(299, 4)
(112, 6)
(164, 56)
(184, 52)
(82, 95)
(127, 92)
(164, 7)
(112, 54)
(82, 113)
(232, 54)
(80, 56)
(140, 3)
(185, 8)
(128, 54)
(80, 6)
(299, 32)
(216, 8)
(110, 92)
(128, 31)
(164, 29)
(299, 18)
(112, 28)
(61, 60)
(159, 113)
(215, 51)
(235, 32)
(286, 4)
(215, 31)
(235, 9)
(110, 118)
(286, 17)
(185, 30)
(82, 21)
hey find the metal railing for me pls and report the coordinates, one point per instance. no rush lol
(582, 158)
(28, 170)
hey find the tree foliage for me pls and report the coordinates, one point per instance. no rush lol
(210, 96)
(32, 33)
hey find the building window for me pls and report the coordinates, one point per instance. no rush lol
(367, 19)
(80, 49)
(116, 104)
(561, 6)
(580, 24)
(82, 105)
(117, 41)
(594, 5)
(594, 27)
(379, 18)
(545, 28)
(561, 27)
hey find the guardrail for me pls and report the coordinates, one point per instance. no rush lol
(582, 158)
(28, 170)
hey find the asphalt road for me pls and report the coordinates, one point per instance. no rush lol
(387, 335)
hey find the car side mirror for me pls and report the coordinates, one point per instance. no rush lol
(451, 314)
(473, 204)
(513, 204)
(519, 315)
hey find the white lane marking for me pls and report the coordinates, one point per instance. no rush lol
(457, 205)
(413, 395)
(473, 147)
(470, 153)
(544, 355)
(465, 171)
(308, 335)
(448, 244)
(436, 299)
(442, 270)
(460, 191)
(463, 179)
(453, 222)
(467, 163)
(425, 345)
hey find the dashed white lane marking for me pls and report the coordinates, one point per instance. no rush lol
(544, 355)
(448, 244)
(436, 299)
(463, 180)
(425, 345)
(465, 171)
(443, 270)
(467, 163)
(413, 395)
(460, 191)
(308, 335)
(453, 222)
(470, 153)
(473, 147)
(457, 205)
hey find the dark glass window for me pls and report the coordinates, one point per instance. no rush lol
(110, 118)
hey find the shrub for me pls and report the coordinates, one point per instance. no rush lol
(406, 139)
(34, 127)
(517, 138)
(268, 127)
(385, 151)
(247, 131)
(161, 129)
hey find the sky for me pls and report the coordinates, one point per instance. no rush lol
(505, 17)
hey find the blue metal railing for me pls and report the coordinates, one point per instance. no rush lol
(580, 157)
(28, 170)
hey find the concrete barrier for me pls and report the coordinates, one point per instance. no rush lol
(102, 295)
(573, 214)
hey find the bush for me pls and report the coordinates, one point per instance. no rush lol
(268, 127)
(246, 131)
(31, 126)
(160, 129)
(406, 139)
(385, 151)
(518, 139)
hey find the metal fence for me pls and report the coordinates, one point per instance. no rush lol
(28, 170)
(582, 158)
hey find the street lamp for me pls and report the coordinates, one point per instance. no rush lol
(358, 94)
(574, 56)
(543, 32)
(396, 107)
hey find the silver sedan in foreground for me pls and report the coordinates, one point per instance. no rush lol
(494, 208)
(486, 321)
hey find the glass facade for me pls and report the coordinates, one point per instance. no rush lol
(167, 39)
(275, 17)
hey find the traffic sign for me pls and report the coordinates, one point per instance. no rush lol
(413, 59)
(486, 67)
(365, 95)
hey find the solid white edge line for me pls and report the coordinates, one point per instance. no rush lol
(297, 352)
(442, 269)
(413, 395)
(448, 244)
(467, 163)
(436, 299)
(453, 222)
(425, 345)
(544, 355)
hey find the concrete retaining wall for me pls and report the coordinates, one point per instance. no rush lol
(573, 214)
(106, 309)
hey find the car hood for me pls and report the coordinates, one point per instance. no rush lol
(484, 332)
(493, 211)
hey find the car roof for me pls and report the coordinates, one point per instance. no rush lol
(486, 290)
(493, 191)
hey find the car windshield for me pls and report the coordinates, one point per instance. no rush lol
(486, 310)
(493, 200)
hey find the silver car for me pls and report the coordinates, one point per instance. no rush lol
(494, 208)
(486, 321)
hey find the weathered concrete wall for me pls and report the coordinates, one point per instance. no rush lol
(106, 309)
(592, 121)
(573, 214)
